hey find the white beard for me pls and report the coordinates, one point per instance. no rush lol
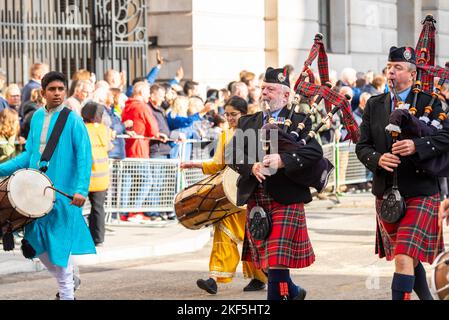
(276, 104)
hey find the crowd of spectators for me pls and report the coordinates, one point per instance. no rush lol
(149, 119)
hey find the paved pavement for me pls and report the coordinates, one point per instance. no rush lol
(124, 241)
(129, 241)
(331, 222)
(164, 261)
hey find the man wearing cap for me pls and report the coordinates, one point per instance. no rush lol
(272, 183)
(414, 238)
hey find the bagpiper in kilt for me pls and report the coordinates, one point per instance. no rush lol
(279, 193)
(414, 238)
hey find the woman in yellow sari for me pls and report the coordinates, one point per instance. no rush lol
(229, 232)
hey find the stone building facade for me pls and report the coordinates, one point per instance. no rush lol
(214, 39)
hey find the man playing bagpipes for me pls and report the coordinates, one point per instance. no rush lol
(404, 120)
(276, 231)
(278, 160)
(410, 126)
(407, 197)
(230, 231)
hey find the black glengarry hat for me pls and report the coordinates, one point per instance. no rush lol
(279, 76)
(402, 54)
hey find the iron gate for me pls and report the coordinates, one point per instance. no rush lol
(73, 34)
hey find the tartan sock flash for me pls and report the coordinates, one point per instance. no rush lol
(280, 285)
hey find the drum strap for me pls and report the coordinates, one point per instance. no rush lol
(54, 138)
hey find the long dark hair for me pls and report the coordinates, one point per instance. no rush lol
(92, 112)
(238, 103)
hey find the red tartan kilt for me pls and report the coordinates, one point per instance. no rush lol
(288, 244)
(415, 235)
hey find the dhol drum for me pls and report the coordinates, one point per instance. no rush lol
(439, 282)
(206, 202)
(230, 178)
(24, 197)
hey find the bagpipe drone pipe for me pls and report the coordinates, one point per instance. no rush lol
(404, 121)
(290, 139)
(404, 118)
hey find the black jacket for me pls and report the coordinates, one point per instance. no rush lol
(285, 185)
(158, 148)
(375, 141)
(28, 109)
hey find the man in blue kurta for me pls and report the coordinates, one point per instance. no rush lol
(62, 232)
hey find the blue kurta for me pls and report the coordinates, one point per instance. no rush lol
(63, 231)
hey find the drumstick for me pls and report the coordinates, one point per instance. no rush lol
(59, 191)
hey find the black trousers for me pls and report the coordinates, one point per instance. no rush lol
(97, 215)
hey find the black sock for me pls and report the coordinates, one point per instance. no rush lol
(280, 285)
(293, 289)
(402, 286)
(421, 287)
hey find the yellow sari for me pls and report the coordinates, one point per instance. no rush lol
(229, 232)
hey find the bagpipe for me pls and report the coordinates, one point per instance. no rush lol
(425, 50)
(404, 121)
(290, 139)
(393, 206)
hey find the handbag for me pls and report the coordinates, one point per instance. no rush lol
(393, 204)
(260, 223)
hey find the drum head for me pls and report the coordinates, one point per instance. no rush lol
(204, 203)
(230, 178)
(26, 193)
(440, 277)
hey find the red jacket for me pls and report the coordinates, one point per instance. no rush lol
(144, 124)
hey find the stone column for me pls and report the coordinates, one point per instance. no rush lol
(372, 31)
(440, 10)
(298, 24)
(271, 33)
(409, 18)
(213, 40)
(171, 22)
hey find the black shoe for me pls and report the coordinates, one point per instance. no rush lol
(209, 285)
(254, 285)
(58, 298)
(301, 295)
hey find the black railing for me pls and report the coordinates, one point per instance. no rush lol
(72, 35)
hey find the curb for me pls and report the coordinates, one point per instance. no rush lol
(13, 262)
(123, 253)
(344, 203)
(20, 266)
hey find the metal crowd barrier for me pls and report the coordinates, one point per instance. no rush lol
(150, 185)
(142, 185)
(348, 168)
(329, 153)
(352, 170)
